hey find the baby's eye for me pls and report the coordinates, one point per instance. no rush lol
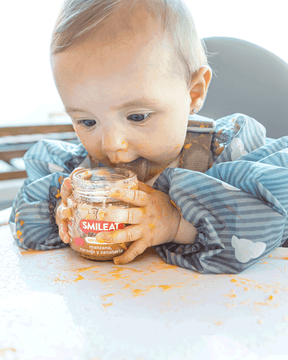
(88, 123)
(138, 117)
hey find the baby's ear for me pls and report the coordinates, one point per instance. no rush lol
(199, 87)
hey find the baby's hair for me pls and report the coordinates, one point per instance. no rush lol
(78, 18)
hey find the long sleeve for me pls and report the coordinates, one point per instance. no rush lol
(32, 220)
(239, 206)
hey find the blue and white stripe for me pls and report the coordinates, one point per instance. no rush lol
(241, 201)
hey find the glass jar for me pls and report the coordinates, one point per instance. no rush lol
(91, 194)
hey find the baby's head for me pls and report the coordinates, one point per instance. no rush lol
(129, 73)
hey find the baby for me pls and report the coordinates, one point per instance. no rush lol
(131, 74)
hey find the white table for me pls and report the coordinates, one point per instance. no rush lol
(57, 305)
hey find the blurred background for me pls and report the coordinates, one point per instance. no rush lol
(29, 92)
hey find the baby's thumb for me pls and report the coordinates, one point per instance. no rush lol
(63, 212)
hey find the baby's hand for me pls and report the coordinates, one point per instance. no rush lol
(63, 212)
(154, 221)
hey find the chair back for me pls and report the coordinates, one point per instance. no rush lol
(247, 79)
(15, 141)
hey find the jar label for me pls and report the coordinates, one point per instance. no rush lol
(92, 240)
(95, 226)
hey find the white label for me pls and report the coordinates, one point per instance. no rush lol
(92, 240)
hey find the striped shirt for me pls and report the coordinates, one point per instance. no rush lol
(239, 206)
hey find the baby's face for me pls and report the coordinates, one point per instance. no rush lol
(128, 107)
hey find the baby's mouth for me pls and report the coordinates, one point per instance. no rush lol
(138, 166)
(143, 168)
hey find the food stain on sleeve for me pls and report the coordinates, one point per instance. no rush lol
(219, 150)
(17, 217)
(58, 194)
(237, 127)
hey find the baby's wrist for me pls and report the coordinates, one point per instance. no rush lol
(177, 219)
(186, 233)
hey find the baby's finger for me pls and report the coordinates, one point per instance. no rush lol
(130, 233)
(63, 212)
(126, 216)
(146, 188)
(137, 248)
(66, 189)
(135, 197)
(63, 232)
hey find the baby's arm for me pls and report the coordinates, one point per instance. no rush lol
(238, 207)
(32, 219)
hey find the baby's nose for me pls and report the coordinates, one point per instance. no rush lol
(113, 140)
